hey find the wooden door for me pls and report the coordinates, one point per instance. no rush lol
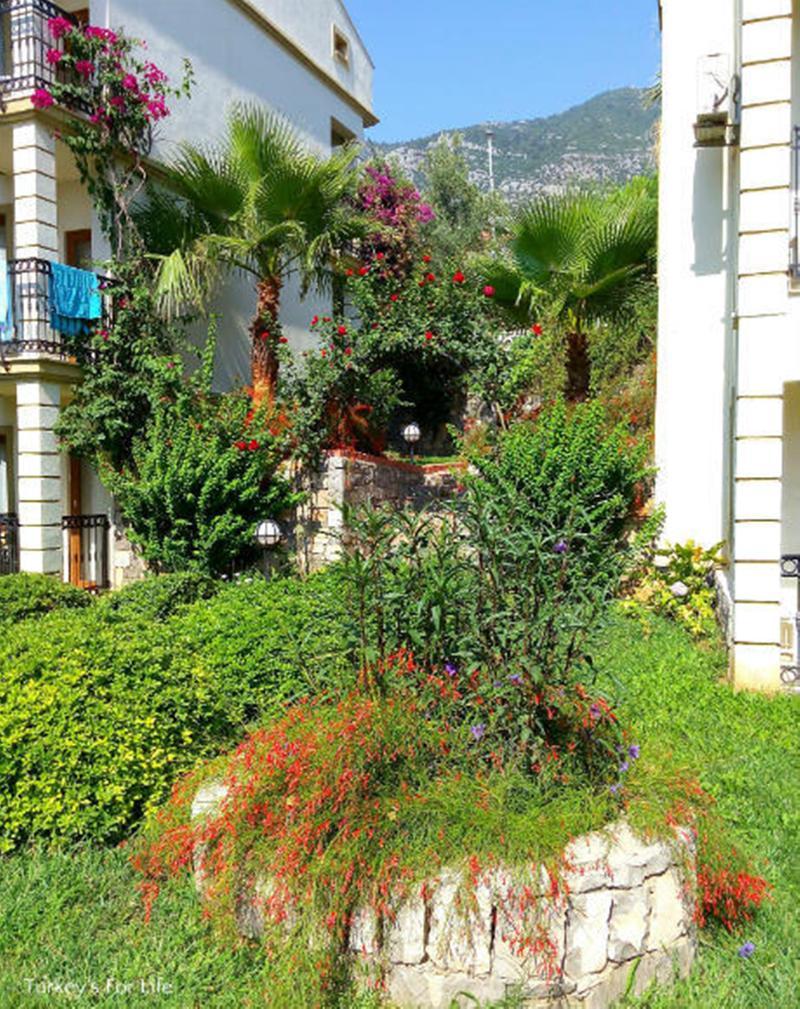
(74, 534)
(79, 248)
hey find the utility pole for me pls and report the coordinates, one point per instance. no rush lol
(490, 146)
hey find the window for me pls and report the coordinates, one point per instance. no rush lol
(6, 488)
(341, 46)
(79, 248)
(340, 135)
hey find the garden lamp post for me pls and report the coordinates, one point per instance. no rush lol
(268, 535)
(412, 435)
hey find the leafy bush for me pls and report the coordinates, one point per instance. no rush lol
(26, 595)
(514, 577)
(160, 596)
(202, 473)
(679, 583)
(102, 709)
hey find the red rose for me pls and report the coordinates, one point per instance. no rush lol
(241, 445)
(394, 297)
(537, 329)
(422, 283)
(458, 277)
(284, 339)
(364, 271)
(349, 272)
(253, 446)
(426, 259)
(380, 255)
(315, 320)
(488, 291)
(429, 335)
(348, 351)
(342, 331)
(264, 334)
(431, 277)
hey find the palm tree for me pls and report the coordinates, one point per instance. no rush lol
(258, 203)
(578, 258)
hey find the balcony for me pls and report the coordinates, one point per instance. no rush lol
(24, 41)
(32, 325)
(85, 551)
(9, 544)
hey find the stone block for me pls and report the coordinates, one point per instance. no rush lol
(767, 40)
(631, 860)
(459, 937)
(627, 927)
(587, 933)
(363, 937)
(669, 920)
(405, 935)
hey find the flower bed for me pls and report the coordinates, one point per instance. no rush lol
(617, 917)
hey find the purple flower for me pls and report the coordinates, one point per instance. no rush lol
(747, 950)
(561, 547)
(624, 766)
(595, 711)
(515, 678)
(613, 789)
(478, 731)
(634, 751)
(450, 668)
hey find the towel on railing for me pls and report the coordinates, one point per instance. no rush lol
(74, 299)
(6, 299)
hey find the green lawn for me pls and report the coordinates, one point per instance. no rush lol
(75, 917)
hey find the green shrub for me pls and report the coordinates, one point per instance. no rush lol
(102, 709)
(25, 595)
(160, 596)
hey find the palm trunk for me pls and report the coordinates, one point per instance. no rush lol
(578, 367)
(264, 336)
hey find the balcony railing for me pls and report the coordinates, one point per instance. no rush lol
(32, 326)
(25, 38)
(9, 544)
(790, 672)
(85, 542)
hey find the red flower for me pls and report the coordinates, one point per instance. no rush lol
(429, 335)
(426, 259)
(315, 320)
(42, 99)
(488, 291)
(380, 255)
(349, 272)
(342, 331)
(458, 277)
(54, 56)
(422, 283)
(364, 271)
(284, 339)
(323, 352)
(394, 297)
(253, 446)
(85, 68)
(537, 329)
(241, 445)
(431, 277)
(264, 334)
(348, 351)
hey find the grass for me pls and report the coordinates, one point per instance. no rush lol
(76, 917)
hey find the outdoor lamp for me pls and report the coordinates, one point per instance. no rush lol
(268, 534)
(411, 433)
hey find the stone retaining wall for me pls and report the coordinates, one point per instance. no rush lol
(354, 478)
(621, 920)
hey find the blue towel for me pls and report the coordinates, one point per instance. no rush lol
(6, 300)
(74, 299)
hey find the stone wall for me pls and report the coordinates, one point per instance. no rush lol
(354, 478)
(621, 920)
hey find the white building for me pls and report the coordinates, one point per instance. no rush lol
(728, 410)
(305, 60)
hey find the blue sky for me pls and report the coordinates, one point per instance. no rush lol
(447, 63)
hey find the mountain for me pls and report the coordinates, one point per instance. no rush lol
(607, 139)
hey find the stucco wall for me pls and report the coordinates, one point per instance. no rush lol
(697, 275)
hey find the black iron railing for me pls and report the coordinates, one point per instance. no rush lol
(86, 550)
(25, 39)
(9, 544)
(790, 674)
(33, 326)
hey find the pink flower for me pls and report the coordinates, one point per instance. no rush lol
(93, 32)
(157, 108)
(59, 26)
(85, 68)
(488, 291)
(153, 75)
(42, 99)
(54, 56)
(117, 101)
(130, 83)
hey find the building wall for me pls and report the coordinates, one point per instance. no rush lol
(697, 248)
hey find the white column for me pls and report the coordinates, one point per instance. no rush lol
(763, 340)
(39, 480)
(35, 213)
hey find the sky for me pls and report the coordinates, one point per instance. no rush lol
(447, 63)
